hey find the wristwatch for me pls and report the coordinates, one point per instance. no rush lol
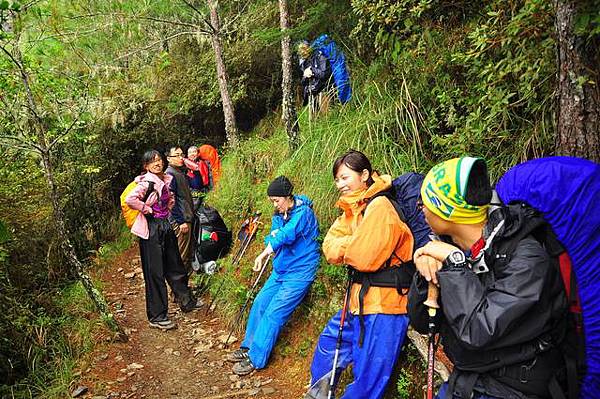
(456, 259)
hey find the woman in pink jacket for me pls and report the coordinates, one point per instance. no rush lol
(158, 245)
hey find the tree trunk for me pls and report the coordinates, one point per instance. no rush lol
(231, 131)
(578, 114)
(288, 113)
(39, 128)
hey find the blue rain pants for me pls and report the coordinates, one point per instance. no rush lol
(271, 309)
(442, 394)
(373, 363)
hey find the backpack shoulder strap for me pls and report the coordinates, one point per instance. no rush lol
(148, 191)
(392, 198)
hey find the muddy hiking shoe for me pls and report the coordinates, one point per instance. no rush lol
(244, 367)
(237, 355)
(163, 324)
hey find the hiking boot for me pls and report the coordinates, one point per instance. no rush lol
(237, 355)
(244, 367)
(192, 305)
(163, 324)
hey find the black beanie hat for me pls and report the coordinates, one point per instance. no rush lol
(280, 187)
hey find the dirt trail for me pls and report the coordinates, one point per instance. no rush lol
(187, 362)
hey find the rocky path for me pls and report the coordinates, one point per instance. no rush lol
(187, 362)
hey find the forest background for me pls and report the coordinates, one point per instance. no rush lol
(87, 86)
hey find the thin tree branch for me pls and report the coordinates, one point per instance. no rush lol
(154, 44)
(28, 145)
(202, 16)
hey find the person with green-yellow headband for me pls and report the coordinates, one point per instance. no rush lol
(502, 302)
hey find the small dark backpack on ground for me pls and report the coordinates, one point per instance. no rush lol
(211, 235)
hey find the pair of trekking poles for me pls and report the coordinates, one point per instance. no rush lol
(252, 224)
(432, 306)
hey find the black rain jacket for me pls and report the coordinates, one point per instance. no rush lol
(504, 316)
(321, 70)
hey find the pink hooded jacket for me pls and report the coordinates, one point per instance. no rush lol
(134, 200)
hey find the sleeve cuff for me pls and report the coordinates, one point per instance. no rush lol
(269, 249)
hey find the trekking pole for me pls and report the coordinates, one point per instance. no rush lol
(248, 296)
(238, 257)
(432, 307)
(338, 343)
(244, 245)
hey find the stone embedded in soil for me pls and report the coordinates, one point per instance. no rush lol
(176, 353)
(120, 269)
(121, 379)
(135, 366)
(79, 391)
(268, 390)
(234, 377)
(223, 338)
(138, 270)
(130, 275)
(169, 351)
(118, 358)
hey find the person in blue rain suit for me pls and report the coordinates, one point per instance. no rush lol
(293, 244)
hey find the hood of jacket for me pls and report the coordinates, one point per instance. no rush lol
(356, 201)
(301, 201)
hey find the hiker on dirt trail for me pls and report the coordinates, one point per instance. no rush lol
(158, 245)
(209, 154)
(316, 75)
(198, 175)
(182, 214)
(293, 243)
(368, 237)
(503, 312)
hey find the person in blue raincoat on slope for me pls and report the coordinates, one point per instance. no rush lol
(293, 243)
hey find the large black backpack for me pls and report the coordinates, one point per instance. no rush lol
(211, 235)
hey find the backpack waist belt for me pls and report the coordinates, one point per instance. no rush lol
(398, 277)
(528, 368)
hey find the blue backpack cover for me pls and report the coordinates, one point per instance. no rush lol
(567, 192)
(337, 60)
(407, 188)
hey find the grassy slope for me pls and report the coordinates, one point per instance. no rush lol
(364, 125)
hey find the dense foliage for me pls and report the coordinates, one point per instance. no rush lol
(432, 78)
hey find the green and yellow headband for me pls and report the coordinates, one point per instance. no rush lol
(444, 189)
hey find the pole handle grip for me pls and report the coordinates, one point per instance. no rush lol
(433, 292)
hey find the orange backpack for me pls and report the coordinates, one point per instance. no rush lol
(130, 214)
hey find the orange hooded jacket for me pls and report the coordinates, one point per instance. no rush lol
(367, 242)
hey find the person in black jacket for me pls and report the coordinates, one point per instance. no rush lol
(316, 75)
(182, 214)
(503, 308)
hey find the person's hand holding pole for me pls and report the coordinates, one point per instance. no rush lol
(428, 259)
(259, 261)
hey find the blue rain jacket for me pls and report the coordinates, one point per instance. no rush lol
(294, 241)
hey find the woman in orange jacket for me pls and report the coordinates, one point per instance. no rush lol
(377, 246)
